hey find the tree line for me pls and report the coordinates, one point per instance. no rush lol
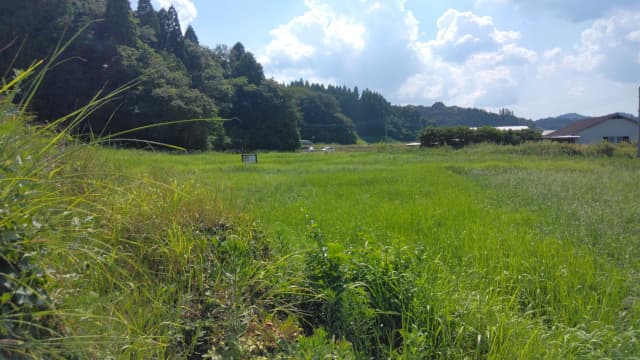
(175, 77)
(459, 136)
(224, 89)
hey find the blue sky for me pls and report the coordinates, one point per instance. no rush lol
(537, 57)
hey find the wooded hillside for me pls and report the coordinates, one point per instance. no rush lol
(172, 77)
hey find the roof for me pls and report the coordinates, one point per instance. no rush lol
(507, 128)
(512, 128)
(581, 125)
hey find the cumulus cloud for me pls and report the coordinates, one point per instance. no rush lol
(597, 75)
(461, 34)
(187, 11)
(609, 47)
(377, 44)
(364, 43)
(551, 61)
(551, 53)
(470, 62)
(317, 33)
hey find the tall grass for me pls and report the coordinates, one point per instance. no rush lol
(447, 254)
(34, 203)
(101, 263)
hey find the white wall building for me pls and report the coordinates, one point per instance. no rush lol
(613, 128)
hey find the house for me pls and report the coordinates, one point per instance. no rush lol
(613, 128)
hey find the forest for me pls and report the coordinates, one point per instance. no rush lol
(183, 94)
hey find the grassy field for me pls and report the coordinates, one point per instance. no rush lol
(369, 252)
(439, 253)
(486, 252)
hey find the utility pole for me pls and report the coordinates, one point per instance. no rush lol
(638, 154)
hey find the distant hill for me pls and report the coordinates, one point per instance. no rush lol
(440, 115)
(554, 123)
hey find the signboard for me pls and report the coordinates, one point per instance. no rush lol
(249, 158)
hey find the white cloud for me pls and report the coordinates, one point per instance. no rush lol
(421, 85)
(551, 61)
(187, 11)
(377, 45)
(610, 48)
(470, 63)
(460, 34)
(364, 43)
(551, 54)
(288, 45)
(319, 28)
(596, 76)
(374, 7)
(634, 36)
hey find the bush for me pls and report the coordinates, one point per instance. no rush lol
(370, 296)
(461, 136)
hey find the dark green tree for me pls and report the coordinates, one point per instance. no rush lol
(208, 75)
(41, 25)
(459, 136)
(171, 38)
(322, 120)
(163, 95)
(375, 115)
(241, 63)
(117, 22)
(190, 35)
(144, 7)
(28, 29)
(235, 53)
(248, 67)
(265, 117)
(149, 23)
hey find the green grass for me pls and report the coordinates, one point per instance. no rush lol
(479, 252)
(486, 252)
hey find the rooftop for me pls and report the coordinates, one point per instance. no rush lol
(578, 126)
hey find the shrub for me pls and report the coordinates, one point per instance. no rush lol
(461, 136)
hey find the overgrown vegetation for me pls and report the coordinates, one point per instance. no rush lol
(483, 252)
(97, 263)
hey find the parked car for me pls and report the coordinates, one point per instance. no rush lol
(328, 149)
(310, 149)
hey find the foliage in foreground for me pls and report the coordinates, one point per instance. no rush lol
(99, 264)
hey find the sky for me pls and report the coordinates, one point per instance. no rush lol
(539, 58)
